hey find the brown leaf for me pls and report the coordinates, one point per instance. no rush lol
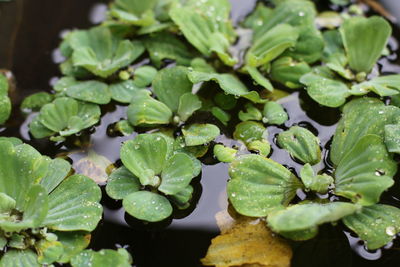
(246, 242)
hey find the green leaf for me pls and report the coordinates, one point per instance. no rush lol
(364, 40)
(377, 225)
(102, 53)
(123, 91)
(170, 84)
(382, 86)
(182, 198)
(200, 134)
(177, 174)
(273, 113)
(271, 45)
(19, 258)
(48, 251)
(166, 46)
(38, 130)
(5, 102)
(146, 111)
(104, 257)
(260, 185)
(263, 147)
(224, 101)
(392, 138)
(206, 26)
(221, 115)
(257, 18)
(292, 12)
(361, 117)
(134, 12)
(224, 154)
(124, 128)
(35, 101)
(288, 71)
(58, 169)
(302, 217)
(90, 91)
(252, 113)
(74, 205)
(229, 83)
(21, 167)
(73, 243)
(7, 204)
(147, 206)
(317, 183)
(145, 156)
(188, 104)
(325, 91)
(122, 183)
(249, 131)
(366, 171)
(68, 116)
(259, 78)
(144, 76)
(301, 144)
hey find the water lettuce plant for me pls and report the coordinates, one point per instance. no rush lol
(153, 176)
(46, 214)
(64, 117)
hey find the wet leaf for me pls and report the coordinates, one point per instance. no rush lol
(200, 134)
(377, 225)
(251, 114)
(221, 115)
(124, 128)
(147, 206)
(188, 104)
(317, 183)
(248, 243)
(104, 257)
(273, 113)
(19, 258)
(260, 185)
(366, 171)
(48, 251)
(361, 117)
(90, 91)
(182, 198)
(101, 52)
(147, 111)
(249, 131)
(301, 217)
(123, 91)
(144, 76)
(73, 243)
(271, 45)
(382, 86)
(134, 12)
(224, 154)
(121, 183)
(206, 26)
(364, 40)
(288, 71)
(166, 46)
(35, 101)
(325, 91)
(259, 78)
(263, 147)
(170, 84)
(145, 156)
(392, 138)
(301, 144)
(74, 205)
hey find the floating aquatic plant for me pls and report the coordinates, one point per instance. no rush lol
(5, 102)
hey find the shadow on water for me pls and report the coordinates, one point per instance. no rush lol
(30, 32)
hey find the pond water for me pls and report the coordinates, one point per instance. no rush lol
(30, 33)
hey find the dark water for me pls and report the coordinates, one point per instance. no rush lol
(29, 33)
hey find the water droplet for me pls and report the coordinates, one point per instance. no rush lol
(390, 230)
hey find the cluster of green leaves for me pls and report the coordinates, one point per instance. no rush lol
(363, 169)
(156, 171)
(46, 215)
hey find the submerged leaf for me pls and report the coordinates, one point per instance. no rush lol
(377, 225)
(364, 40)
(260, 185)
